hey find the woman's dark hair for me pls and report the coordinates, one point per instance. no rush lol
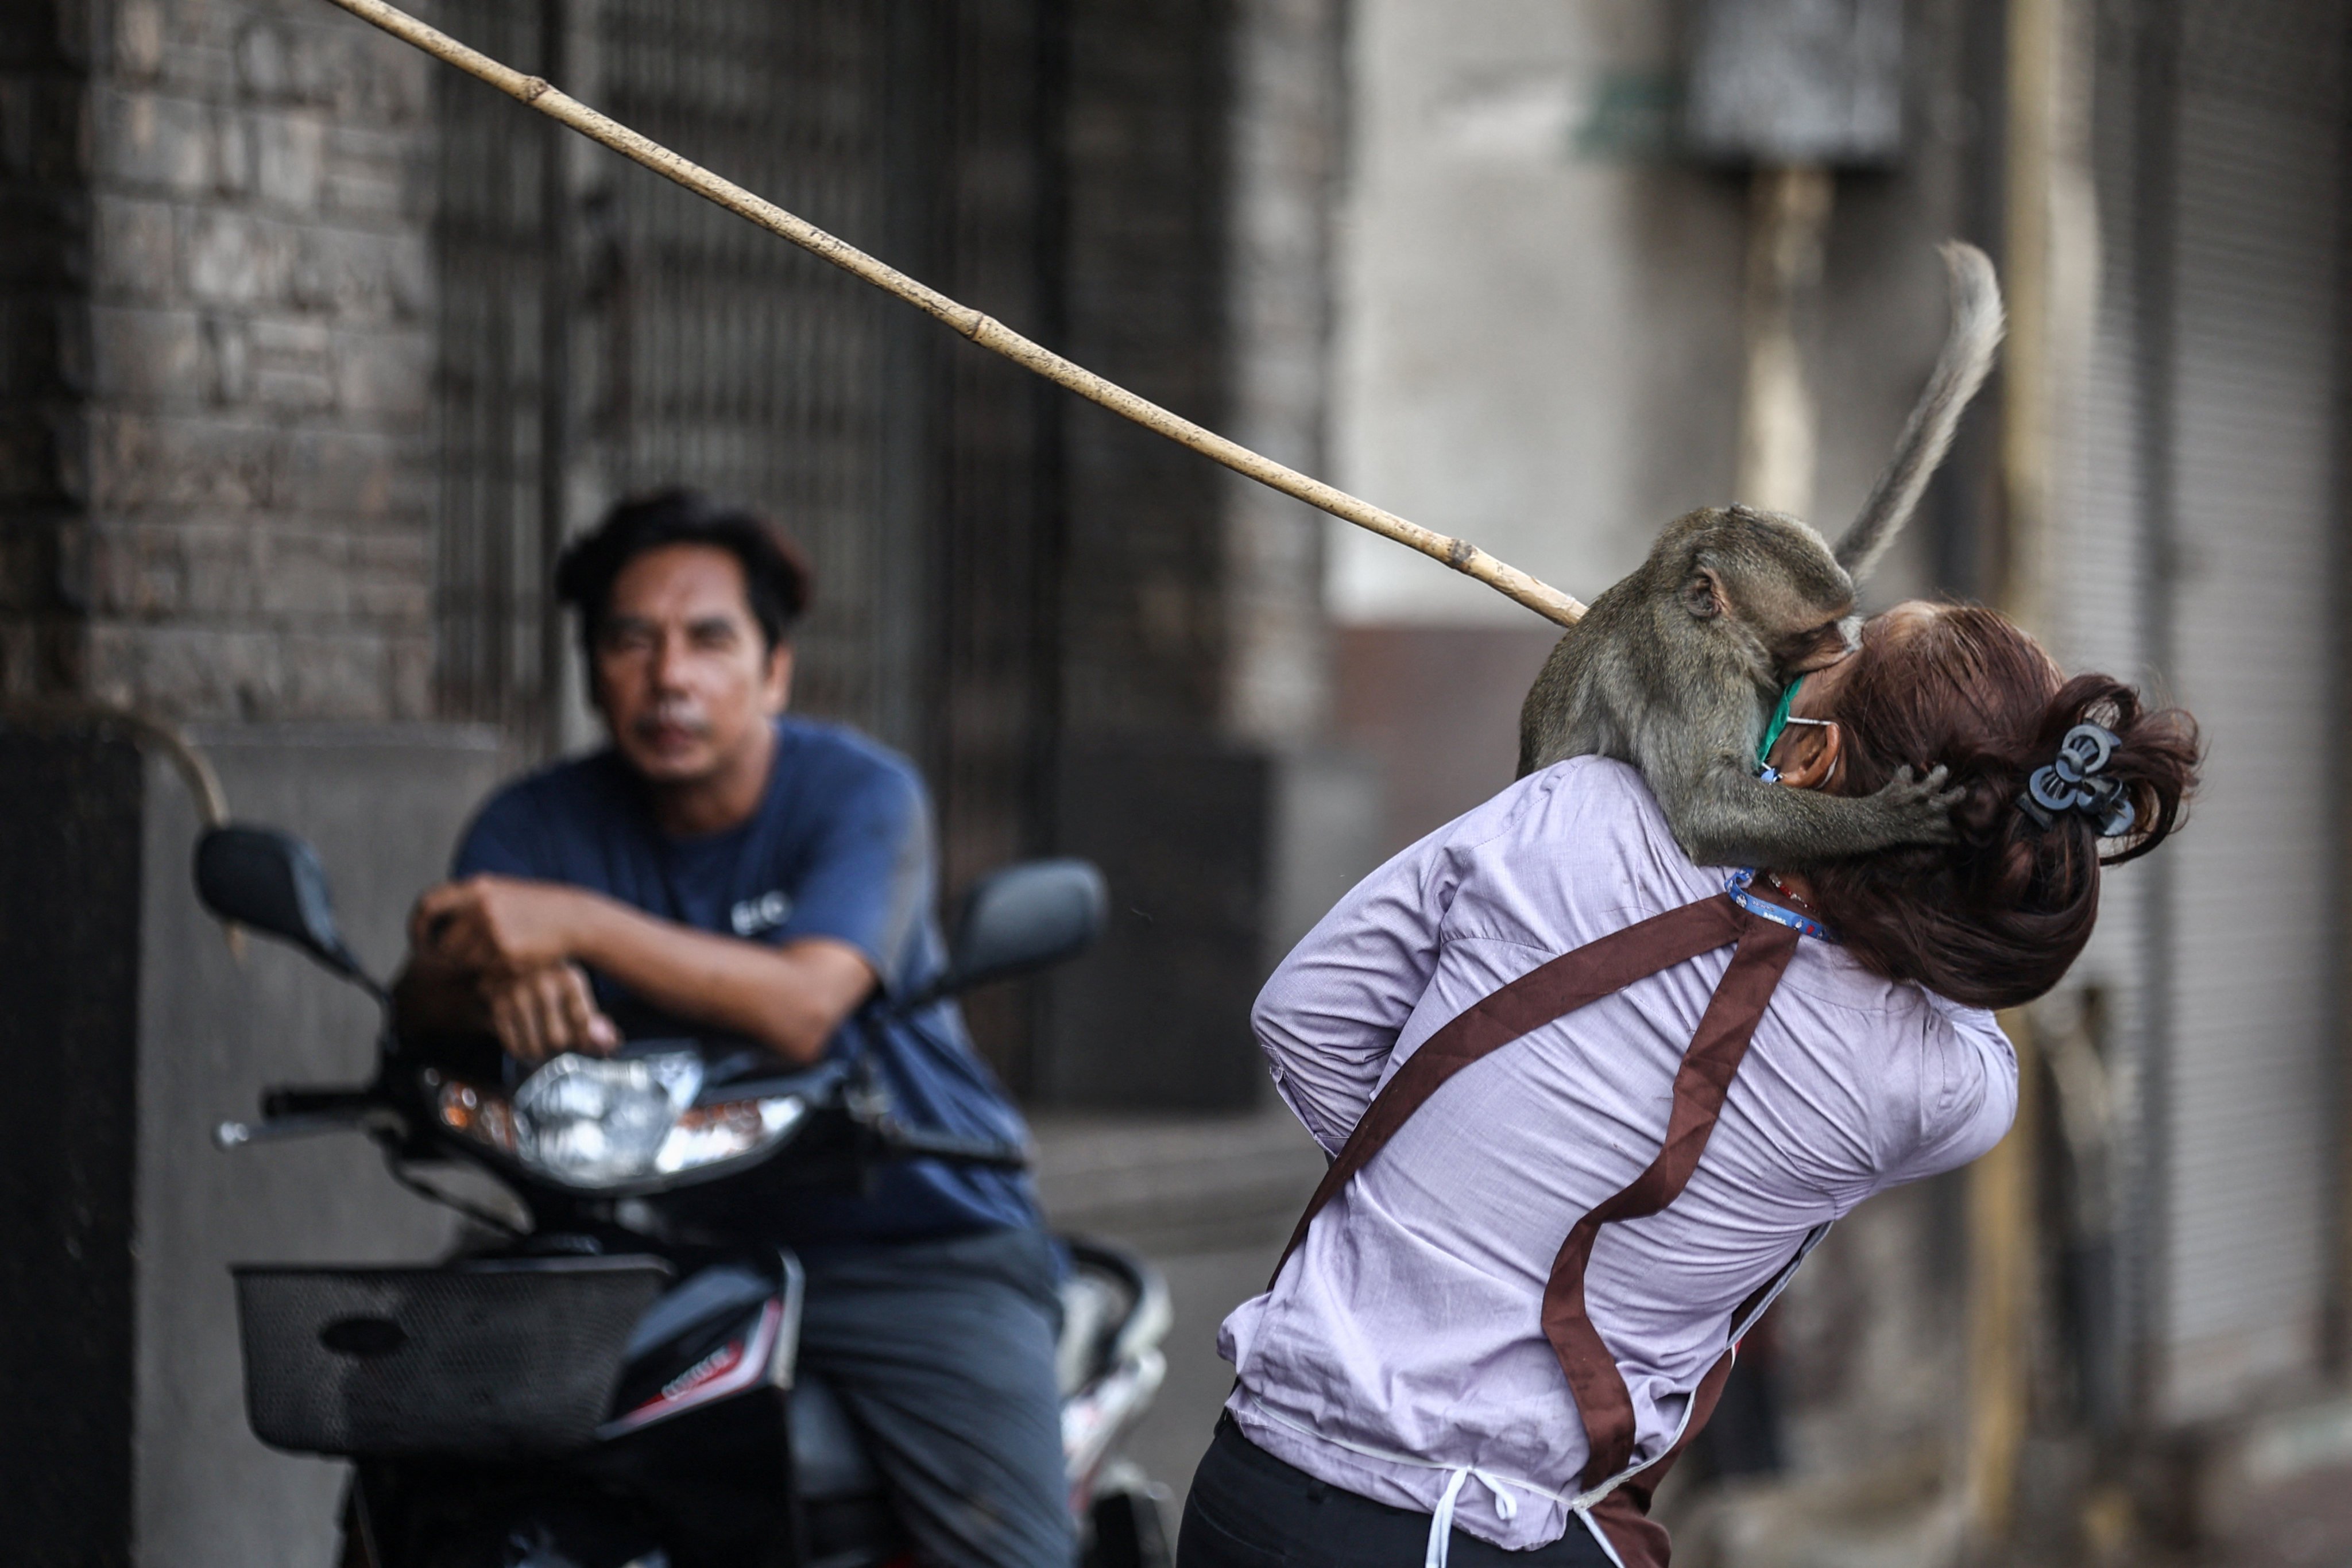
(775, 575)
(1994, 919)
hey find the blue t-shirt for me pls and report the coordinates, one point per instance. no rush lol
(840, 847)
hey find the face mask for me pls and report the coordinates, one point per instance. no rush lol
(1782, 719)
(1764, 770)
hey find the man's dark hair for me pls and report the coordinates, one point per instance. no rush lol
(775, 575)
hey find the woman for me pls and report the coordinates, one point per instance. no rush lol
(1619, 1096)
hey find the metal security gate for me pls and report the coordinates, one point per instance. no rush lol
(749, 368)
(2213, 418)
(492, 249)
(2257, 335)
(604, 332)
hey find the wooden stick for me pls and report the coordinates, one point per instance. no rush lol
(1460, 554)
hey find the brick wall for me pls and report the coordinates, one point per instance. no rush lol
(217, 417)
(233, 517)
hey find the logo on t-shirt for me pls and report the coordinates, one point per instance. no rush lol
(764, 913)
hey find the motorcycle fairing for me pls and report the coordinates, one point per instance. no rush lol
(722, 1332)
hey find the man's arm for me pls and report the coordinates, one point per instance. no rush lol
(517, 945)
(789, 998)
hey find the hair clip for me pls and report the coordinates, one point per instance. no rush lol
(2075, 780)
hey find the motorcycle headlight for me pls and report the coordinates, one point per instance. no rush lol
(591, 1122)
(729, 1130)
(594, 1124)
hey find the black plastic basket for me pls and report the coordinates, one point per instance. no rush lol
(510, 1359)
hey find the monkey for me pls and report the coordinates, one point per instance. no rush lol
(1676, 668)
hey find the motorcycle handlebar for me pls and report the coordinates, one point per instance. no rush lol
(294, 1100)
(293, 1112)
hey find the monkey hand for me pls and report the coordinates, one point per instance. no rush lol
(1915, 810)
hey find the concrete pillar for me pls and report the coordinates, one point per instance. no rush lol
(1286, 121)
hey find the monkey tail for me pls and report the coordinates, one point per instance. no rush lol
(1960, 370)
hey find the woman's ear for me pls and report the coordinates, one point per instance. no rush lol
(1807, 755)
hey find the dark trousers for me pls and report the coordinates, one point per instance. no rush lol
(1249, 1510)
(942, 1352)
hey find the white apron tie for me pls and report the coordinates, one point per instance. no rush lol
(1441, 1524)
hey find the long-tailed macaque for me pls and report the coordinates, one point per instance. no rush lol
(1676, 668)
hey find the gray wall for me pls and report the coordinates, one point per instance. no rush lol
(383, 806)
(121, 1218)
(1539, 344)
(2211, 460)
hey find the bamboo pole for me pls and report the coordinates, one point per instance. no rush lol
(1460, 554)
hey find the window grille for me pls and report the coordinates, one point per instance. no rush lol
(699, 349)
(490, 249)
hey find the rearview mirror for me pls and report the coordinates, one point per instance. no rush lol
(1021, 918)
(272, 881)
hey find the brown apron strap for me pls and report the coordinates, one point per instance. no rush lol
(1624, 1515)
(1550, 990)
(1700, 1085)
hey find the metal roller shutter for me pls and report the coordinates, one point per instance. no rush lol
(2249, 987)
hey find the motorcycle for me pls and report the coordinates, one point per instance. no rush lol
(612, 1383)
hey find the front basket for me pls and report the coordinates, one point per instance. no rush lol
(505, 1359)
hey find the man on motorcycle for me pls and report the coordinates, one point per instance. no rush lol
(723, 871)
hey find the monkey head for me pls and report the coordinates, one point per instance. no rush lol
(1764, 580)
(1676, 668)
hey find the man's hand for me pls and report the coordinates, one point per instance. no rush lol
(509, 944)
(509, 955)
(543, 1012)
(500, 925)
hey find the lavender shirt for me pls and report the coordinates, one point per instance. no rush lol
(1400, 1355)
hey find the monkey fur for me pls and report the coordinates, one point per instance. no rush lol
(1676, 669)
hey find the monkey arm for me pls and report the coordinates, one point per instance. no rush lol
(1723, 815)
